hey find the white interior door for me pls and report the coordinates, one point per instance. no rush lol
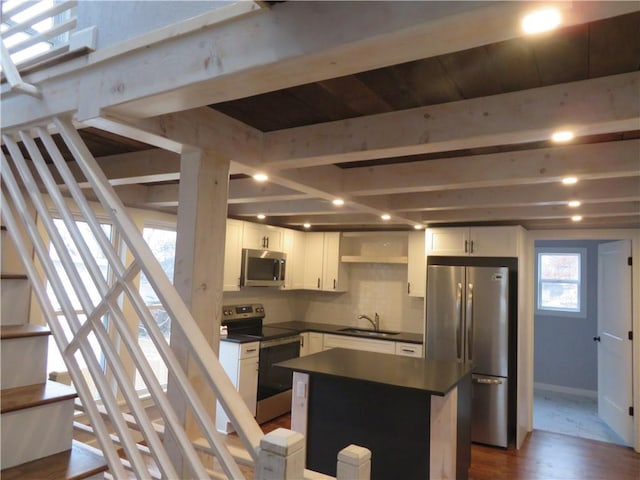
(614, 347)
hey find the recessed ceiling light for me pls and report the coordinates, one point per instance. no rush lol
(385, 216)
(418, 227)
(541, 20)
(261, 216)
(338, 202)
(306, 225)
(261, 177)
(562, 136)
(569, 180)
(574, 203)
(576, 218)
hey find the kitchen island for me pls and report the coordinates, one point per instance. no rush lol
(414, 415)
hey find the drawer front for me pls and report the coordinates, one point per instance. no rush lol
(408, 349)
(248, 350)
(357, 343)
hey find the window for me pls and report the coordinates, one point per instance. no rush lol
(561, 277)
(55, 363)
(162, 242)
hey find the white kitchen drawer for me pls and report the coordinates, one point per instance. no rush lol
(408, 349)
(248, 350)
(357, 343)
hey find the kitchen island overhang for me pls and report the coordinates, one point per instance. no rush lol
(414, 415)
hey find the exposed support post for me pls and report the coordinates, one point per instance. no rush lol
(354, 463)
(282, 456)
(202, 213)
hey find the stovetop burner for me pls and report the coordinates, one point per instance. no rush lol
(245, 322)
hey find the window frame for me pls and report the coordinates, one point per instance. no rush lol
(582, 282)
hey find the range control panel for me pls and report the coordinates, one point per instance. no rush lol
(237, 312)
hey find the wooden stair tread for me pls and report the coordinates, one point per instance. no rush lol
(19, 398)
(13, 276)
(23, 331)
(81, 461)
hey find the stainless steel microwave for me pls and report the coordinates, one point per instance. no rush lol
(262, 268)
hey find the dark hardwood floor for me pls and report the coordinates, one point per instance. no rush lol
(544, 456)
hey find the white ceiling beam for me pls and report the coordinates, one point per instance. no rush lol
(200, 128)
(247, 190)
(632, 221)
(544, 165)
(595, 106)
(536, 212)
(312, 206)
(344, 220)
(272, 49)
(586, 191)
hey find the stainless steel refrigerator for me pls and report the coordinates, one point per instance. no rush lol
(467, 320)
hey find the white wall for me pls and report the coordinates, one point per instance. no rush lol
(280, 306)
(373, 287)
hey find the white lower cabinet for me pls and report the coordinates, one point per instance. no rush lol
(240, 362)
(408, 349)
(312, 342)
(357, 343)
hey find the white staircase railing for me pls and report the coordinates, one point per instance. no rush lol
(76, 346)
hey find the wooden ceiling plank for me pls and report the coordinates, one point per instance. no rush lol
(562, 58)
(356, 95)
(326, 105)
(472, 72)
(514, 64)
(594, 106)
(605, 36)
(428, 81)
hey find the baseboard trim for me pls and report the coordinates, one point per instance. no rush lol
(570, 390)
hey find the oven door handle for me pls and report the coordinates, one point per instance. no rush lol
(280, 341)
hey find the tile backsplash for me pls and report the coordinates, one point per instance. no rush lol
(373, 287)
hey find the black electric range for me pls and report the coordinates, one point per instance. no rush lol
(244, 323)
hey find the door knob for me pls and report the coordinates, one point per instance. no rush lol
(596, 339)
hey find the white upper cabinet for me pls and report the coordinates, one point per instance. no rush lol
(294, 247)
(262, 237)
(322, 267)
(416, 265)
(333, 272)
(474, 241)
(232, 256)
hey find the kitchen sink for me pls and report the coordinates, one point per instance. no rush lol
(369, 333)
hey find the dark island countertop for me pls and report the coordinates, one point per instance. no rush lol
(301, 327)
(433, 377)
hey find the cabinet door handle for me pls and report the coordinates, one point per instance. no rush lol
(318, 282)
(471, 247)
(268, 242)
(466, 246)
(334, 283)
(408, 288)
(251, 350)
(408, 350)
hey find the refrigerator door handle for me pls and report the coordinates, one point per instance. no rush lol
(470, 322)
(459, 325)
(488, 381)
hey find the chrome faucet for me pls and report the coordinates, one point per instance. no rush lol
(375, 323)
